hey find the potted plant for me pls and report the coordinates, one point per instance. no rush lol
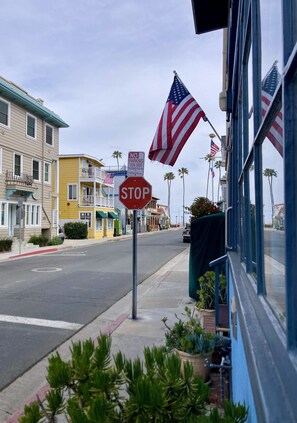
(205, 305)
(189, 340)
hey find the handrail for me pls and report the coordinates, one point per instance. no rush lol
(218, 261)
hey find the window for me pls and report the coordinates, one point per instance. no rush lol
(72, 192)
(3, 216)
(87, 217)
(35, 170)
(49, 135)
(47, 172)
(109, 223)
(99, 224)
(17, 165)
(31, 126)
(4, 112)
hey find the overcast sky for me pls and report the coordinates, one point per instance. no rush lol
(106, 67)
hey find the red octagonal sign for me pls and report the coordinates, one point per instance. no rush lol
(135, 193)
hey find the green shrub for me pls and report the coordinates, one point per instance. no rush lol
(5, 244)
(76, 230)
(40, 240)
(56, 240)
(90, 386)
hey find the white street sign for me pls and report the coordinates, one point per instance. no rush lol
(135, 163)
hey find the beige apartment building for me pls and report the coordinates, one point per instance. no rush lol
(29, 171)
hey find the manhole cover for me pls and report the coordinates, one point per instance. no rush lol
(47, 269)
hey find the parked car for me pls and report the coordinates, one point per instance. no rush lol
(187, 233)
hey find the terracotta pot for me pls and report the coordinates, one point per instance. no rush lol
(197, 361)
(206, 318)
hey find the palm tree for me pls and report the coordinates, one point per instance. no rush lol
(270, 173)
(182, 172)
(218, 164)
(169, 176)
(117, 155)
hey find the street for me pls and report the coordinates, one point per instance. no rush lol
(45, 299)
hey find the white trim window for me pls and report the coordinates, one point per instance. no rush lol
(36, 170)
(86, 217)
(4, 113)
(99, 224)
(33, 215)
(47, 173)
(17, 164)
(109, 224)
(31, 126)
(72, 192)
(49, 135)
(3, 214)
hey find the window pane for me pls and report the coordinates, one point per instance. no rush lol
(3, 113)
(274, 226)
(35, 170)
(17, 165)
(271, 34)
(253, 219)
(49, 135)
(31, 126)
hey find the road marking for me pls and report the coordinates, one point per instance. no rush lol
(47, 269)
(58, 324)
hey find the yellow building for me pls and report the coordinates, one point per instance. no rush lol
(86, 194)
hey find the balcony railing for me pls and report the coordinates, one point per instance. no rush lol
(20, 180)
(91, 200)
(93, 173)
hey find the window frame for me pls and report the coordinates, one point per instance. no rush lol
(36, 161)
(14, 164)
(51, 144)
(70, 187)
(45, 164)
(8, 113)
(29, 116)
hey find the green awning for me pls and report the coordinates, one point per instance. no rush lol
(101, 215)
(112, 215)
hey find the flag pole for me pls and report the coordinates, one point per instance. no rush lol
(205, 118)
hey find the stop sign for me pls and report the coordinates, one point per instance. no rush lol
(135, 193)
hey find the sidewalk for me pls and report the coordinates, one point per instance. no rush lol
(162, 294)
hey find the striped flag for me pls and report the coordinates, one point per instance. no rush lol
(269, 84)
(179, 119)
(213, 148)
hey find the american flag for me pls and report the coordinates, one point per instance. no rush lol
(179, 119)
(108, 178)
(269, 84)
(213, 148)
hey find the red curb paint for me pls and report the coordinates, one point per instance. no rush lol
(42, 391)
(32, 253)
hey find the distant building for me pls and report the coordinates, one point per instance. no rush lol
(87, 195)
(29, 148)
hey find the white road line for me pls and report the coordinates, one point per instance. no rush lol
(40, 322)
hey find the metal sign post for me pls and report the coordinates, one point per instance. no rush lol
(20, 213)
(134, 267)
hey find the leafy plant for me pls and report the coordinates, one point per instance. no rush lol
(76, 230)
(206, 291)
(89, 389)
(40, 240)
(56, 240)
(188, 336)
(202, 206)
(5, 244)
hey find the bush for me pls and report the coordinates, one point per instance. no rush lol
(89, 388)
(40, 240)
(76, 230)
(56, 240)
(5, 244)
(202, 206)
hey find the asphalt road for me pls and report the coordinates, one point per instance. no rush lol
(66, 290)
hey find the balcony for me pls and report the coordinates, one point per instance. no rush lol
(19, 184)
(93, 174)
(98, 201)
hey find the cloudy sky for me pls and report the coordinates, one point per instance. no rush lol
(106, 67)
